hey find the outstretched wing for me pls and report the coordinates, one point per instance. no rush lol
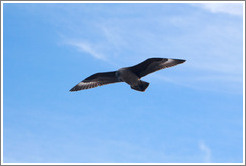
(95, 80)
(153, 64)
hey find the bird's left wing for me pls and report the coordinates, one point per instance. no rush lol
(95, 80)
(154, 64)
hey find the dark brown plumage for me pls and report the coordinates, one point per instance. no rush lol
(130, 75)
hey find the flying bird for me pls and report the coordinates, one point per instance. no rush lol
(130, 75)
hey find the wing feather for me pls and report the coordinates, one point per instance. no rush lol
(154, 64)
(96, 80)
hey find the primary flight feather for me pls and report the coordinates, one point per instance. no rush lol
(130, 75)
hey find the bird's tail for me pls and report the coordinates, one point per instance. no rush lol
(142, 86)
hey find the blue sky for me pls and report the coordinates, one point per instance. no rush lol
(190, 113)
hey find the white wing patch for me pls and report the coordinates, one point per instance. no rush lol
(170, 63)
(87, 85)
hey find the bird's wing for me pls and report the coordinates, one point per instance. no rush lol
(153, 64)
(95, 80)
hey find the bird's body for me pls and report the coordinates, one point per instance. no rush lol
(130, 75)
(126, 75)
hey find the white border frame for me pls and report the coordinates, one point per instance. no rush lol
(122, 1)
(2, 2)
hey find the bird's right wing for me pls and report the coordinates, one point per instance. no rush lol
(95, 80)
(153, 64)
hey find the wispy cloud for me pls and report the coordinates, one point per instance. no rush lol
(87, 48)
(96, 50)
(113, 37)
(228, 8)
(206, 151)
(212, 47)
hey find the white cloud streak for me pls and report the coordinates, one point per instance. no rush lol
(212, 48)
(94, 50)
(87, 48)
(227, 8)
(206, 151)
